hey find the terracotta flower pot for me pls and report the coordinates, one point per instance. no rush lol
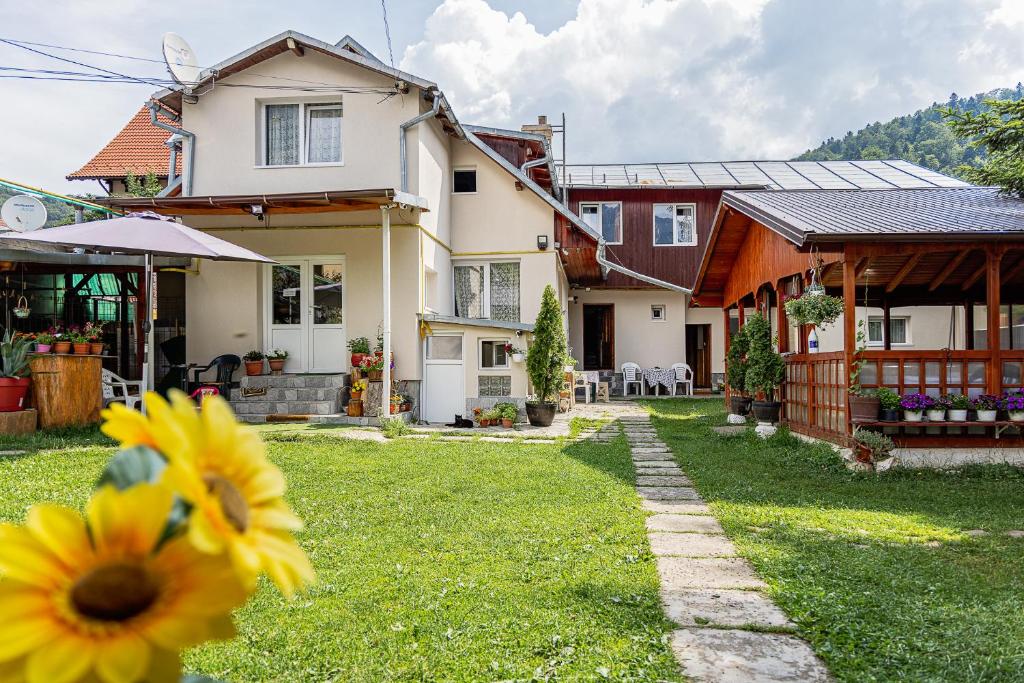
(62, 347)
(276, 365)
(253, 368)
(96, 348)
(506, 423)
(356, 396)
(12, 393)
(484, 422)
(356, 359)
(81, 349)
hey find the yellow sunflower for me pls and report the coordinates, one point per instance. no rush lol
(102, 601)
(220, 467)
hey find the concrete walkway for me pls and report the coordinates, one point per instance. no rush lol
(730, 631)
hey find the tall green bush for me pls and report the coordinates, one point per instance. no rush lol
(765, 367)
(736, 361)
(548, 354)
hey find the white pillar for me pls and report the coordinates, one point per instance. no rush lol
(149, 370)
(385, 394)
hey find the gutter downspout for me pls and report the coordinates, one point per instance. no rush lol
(154, 108)
(401, 137)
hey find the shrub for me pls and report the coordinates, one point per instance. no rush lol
(888, 399)
(394, 426)
(765, 367)
(879, 445)
(736, 361)
(546, 359)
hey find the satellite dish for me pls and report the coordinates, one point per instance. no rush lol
(23, 213)
(181, 60)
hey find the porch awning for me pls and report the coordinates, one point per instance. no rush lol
(476, 322)
(252, 204)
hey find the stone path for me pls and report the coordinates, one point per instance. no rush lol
(708, 590)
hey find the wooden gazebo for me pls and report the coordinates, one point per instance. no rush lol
(951, 247)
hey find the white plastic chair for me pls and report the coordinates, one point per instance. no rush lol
(684, 376)
(112, 383)
(631, 375)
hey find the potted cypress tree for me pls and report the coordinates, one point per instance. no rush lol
(545, 360)
(736, 372)
(765, 370)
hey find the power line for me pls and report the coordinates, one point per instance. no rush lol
(387, 32)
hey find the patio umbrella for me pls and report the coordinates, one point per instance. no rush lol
(144, 234)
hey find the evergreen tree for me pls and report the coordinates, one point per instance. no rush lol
(548, 354)
(1000, 133)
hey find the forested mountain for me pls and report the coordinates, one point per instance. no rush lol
(922, 137)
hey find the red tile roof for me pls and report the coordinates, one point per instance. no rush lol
(139, 147)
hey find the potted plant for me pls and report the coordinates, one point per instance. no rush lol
(478, 417)
(987, 407)
(44, 342)
(766, 370)
(396, 403)
(515, 352)
(864, 403)
(406, 403)
(914, 406)
(358, 387)
(94, 333)
(814, 308)
(14, 375)
(373, 366)
(358, 348)
(936, 412)
(958, 407)
(253, 363)
(507, 412)
(79, 342)
(736, 373)
(889, 402)
(276, 359)
(1013, 404)
(872, 447)
(546, 359)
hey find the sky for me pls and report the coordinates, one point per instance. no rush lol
(638, 80)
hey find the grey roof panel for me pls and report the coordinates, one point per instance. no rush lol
(775, 175)
(920, 212)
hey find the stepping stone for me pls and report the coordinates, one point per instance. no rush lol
(535, 441)
(656, 464)
(680, 573)
(691, 545)
(976, 532)
(455, 438)
(649, 480)
(709, 607)
(642, 471)
(731, 430)
(684, 524)
(1015, 533)
(666, 493)
(676, 507)
(733, 656)
(657, 455)
(644, 450)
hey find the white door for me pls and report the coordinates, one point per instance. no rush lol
(306, 313)
(444, 394)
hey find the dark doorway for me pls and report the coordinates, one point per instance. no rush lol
(698, 354)
(599, 337)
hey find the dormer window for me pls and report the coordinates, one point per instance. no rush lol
(301, 133)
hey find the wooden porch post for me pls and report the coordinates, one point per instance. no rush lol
(849, 319)
(994, 375)
(741, 309)
(727, 336)
(886, 341)
(969, 325)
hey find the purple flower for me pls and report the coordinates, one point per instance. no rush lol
(985, 402)
(1012, 402)
(916, 402)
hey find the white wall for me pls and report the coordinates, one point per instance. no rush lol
(929, 328)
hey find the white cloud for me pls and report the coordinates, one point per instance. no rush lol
(701, 79)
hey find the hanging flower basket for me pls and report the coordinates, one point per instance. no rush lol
(816, 309)
(22, 310)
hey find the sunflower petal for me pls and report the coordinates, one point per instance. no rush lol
(19, 636)
(127, 426)
(203, 535)
(65, 660)
(130, 521)
(26, 559)
(61, 530)
(12, 671)
(123, 660)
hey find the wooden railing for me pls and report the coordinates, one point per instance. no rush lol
(815, 393)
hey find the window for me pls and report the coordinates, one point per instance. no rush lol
(487, 290)
(464, 181)
(899, 330)
(301, 133)
(605, 218)
(674, 225)
(492, 354)
(444, 347)
(658, 313)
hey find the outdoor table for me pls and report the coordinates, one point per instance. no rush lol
(659, 376)
(66, 389)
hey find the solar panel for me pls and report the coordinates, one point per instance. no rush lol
(856, 175)
(746, 173)
(679, 175)
(783, 176)
(821, 176)
(713, 174)
(646, 174)
(927, 174)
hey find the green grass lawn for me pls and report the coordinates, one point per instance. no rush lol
(455, 561)
(876, 570)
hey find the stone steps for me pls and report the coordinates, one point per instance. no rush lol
(289, 395)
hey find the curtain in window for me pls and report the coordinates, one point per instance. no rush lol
(282, 134)
(323, 126)
(684, 225)
(505, 292)
(469, 291)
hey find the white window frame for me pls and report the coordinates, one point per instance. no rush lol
(675, 233)
(881, 321)
(304, 107)
(480, 354)
(600, 216)
(475, 173)
(487, 284)
(664, 313)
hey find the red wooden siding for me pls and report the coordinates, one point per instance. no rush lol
(677, 265)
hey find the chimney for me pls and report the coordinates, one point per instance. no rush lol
(542, 126)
